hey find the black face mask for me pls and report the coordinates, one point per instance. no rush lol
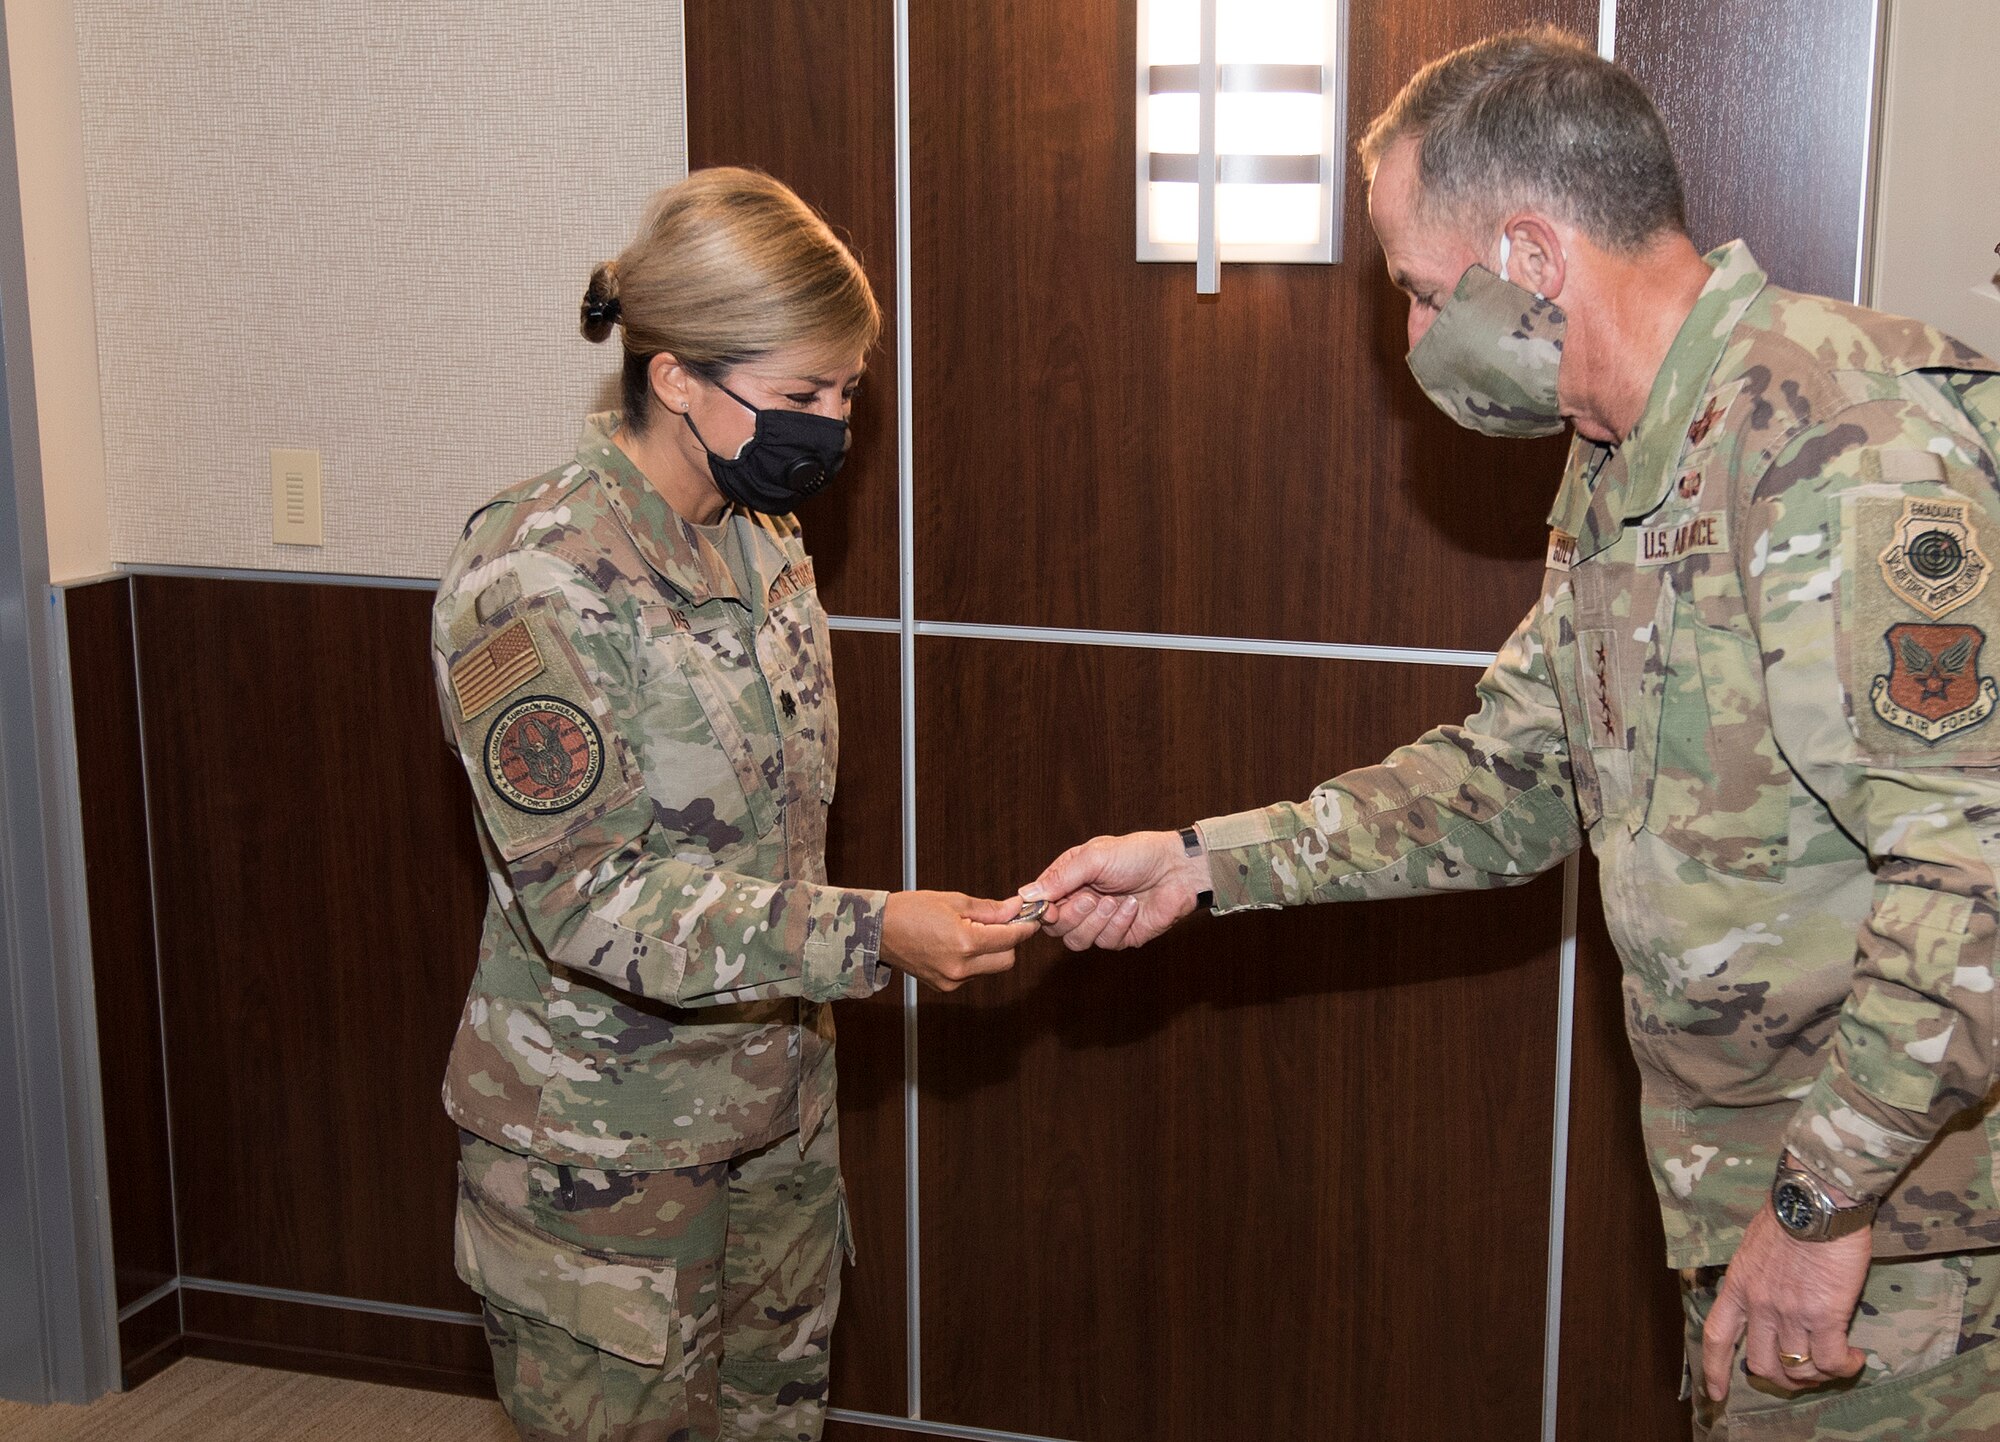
(791, 455)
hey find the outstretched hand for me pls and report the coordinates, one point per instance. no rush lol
(946, 938)
(1119, 891)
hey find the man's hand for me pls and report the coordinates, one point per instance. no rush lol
(1786, 1296)
(945, 938)
(1119, 891)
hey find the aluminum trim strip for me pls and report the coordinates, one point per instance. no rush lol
(1559, 1151)
(239, 573)
(160, 1293)
(884, 625)
(906, 581)
(937, 1429)
(1227, 645)
(1871, 123)
(323, 1299)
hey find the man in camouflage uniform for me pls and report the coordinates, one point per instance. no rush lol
(1757, 681)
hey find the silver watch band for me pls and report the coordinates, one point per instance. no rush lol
(1807, 1213)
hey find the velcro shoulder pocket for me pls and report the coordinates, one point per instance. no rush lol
(1918, 616)
(614, 1304)
(534, 728)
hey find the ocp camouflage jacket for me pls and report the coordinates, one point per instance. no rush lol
(1757, 681)
(652, 755)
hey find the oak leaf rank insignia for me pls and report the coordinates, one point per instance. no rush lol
(1934, 561)
(1933, 688)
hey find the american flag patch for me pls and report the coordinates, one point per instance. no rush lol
(494, 668)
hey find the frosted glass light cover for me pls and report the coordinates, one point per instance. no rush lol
(1267, 217)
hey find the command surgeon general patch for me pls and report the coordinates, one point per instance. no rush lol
(1933, 688)
(543, 755)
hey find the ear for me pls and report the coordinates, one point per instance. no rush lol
(1536, 261)
(670, 381)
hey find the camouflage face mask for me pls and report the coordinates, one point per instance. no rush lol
(1490, 359)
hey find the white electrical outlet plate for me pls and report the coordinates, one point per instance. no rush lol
(295, 513)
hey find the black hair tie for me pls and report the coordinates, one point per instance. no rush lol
(602, 311)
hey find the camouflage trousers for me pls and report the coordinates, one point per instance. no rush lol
(1928, 1327)
(679, 1306)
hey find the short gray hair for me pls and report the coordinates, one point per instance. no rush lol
(1536, 116)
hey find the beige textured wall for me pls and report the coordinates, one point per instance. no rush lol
(360, 228)
(48, 137)
(1937, 205)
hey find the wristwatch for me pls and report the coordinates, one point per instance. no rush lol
(1807, 1213)
(1191, 843)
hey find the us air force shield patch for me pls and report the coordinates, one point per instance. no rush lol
(1933, 689)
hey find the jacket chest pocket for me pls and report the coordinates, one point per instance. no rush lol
(709, 763)
(1563, 644)
(1721, 793)
(794, 653)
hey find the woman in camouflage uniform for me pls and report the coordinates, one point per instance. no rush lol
(633, 662)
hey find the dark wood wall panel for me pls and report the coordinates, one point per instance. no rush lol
(1267, 1172)
(149, 1340)
(1768, 104)
(1621, 1311)
(807, 93)
(1131, 457)
(117, 874)
(339, 1342)
(865, 848)
(319, 900)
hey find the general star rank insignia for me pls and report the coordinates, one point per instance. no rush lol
(543, 755)
(1705, 422)
(1933, 689)
(1934, 562)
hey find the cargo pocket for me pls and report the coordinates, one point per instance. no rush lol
(719, 712)
(1560, 641)
(613, 1304)
(1719, 793)
(1894, 1038)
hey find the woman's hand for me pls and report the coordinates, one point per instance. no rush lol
(944, 938)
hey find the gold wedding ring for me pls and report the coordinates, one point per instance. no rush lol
(1794, 1359)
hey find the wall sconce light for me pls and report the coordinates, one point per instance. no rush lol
(1242, 121)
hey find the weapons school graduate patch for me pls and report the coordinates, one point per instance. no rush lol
(543, 755)
(1933, 688)
(1934, 561)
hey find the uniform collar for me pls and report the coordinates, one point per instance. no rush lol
(1606, 486)
(675, 549)
(1653, 451)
